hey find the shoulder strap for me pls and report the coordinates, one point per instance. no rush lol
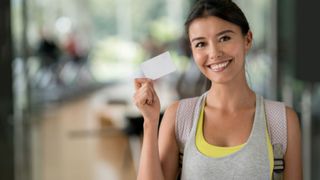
(184, 119)
(277, 128)
(277, 123)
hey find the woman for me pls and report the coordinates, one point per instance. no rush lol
(220, 38)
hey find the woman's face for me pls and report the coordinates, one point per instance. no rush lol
(219, 48)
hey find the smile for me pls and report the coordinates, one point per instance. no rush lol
(219, 66)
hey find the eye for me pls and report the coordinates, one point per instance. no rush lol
(199, 45)
(224, 38)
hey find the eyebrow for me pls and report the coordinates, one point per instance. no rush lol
(218, 34)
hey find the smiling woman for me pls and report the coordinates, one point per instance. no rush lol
(223, 134)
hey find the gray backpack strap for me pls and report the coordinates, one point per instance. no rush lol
(277, 128)
(278, 166)
(187, 110)
(184, 119)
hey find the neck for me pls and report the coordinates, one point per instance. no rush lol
(231, 96)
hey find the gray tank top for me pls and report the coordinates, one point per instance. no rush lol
(249, 163)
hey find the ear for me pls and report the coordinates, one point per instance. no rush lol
(248, 41)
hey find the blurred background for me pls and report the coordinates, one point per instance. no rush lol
(67, 70)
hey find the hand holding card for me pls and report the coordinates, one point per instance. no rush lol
(146, 98)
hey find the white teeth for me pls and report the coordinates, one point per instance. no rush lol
(217, 67)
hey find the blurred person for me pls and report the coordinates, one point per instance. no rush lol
(48, 51)
(49, 54)
(229, 137)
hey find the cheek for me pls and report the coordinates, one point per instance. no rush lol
(199, 57)
(237, 51)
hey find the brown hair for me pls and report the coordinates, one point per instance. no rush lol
(224, 9)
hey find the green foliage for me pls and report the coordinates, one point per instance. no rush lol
(163, 30)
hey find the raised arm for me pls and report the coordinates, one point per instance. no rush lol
(293, 162)
(157, 159)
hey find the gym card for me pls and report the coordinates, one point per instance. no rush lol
(158, 66)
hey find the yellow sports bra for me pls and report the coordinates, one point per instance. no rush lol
(216, 151)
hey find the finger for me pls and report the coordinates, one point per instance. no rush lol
(137, 99)
(151, 93)
(150, 97)
(138, 82)
(140, 100)
(147, 96)
(152, 88)
(145, 92)
(147, 86)
(144, 96)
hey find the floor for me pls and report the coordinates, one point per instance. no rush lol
(81, 140)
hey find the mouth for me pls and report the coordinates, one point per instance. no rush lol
(218, 67)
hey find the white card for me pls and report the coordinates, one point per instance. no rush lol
(158, 66)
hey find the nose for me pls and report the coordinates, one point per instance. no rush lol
(215, 52)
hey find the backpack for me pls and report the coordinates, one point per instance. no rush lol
(276, 124)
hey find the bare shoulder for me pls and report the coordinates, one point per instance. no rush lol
(170, 114)
(172, 109)
(293, 160)
(292, 119)
(167, 126)
(293, 124)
